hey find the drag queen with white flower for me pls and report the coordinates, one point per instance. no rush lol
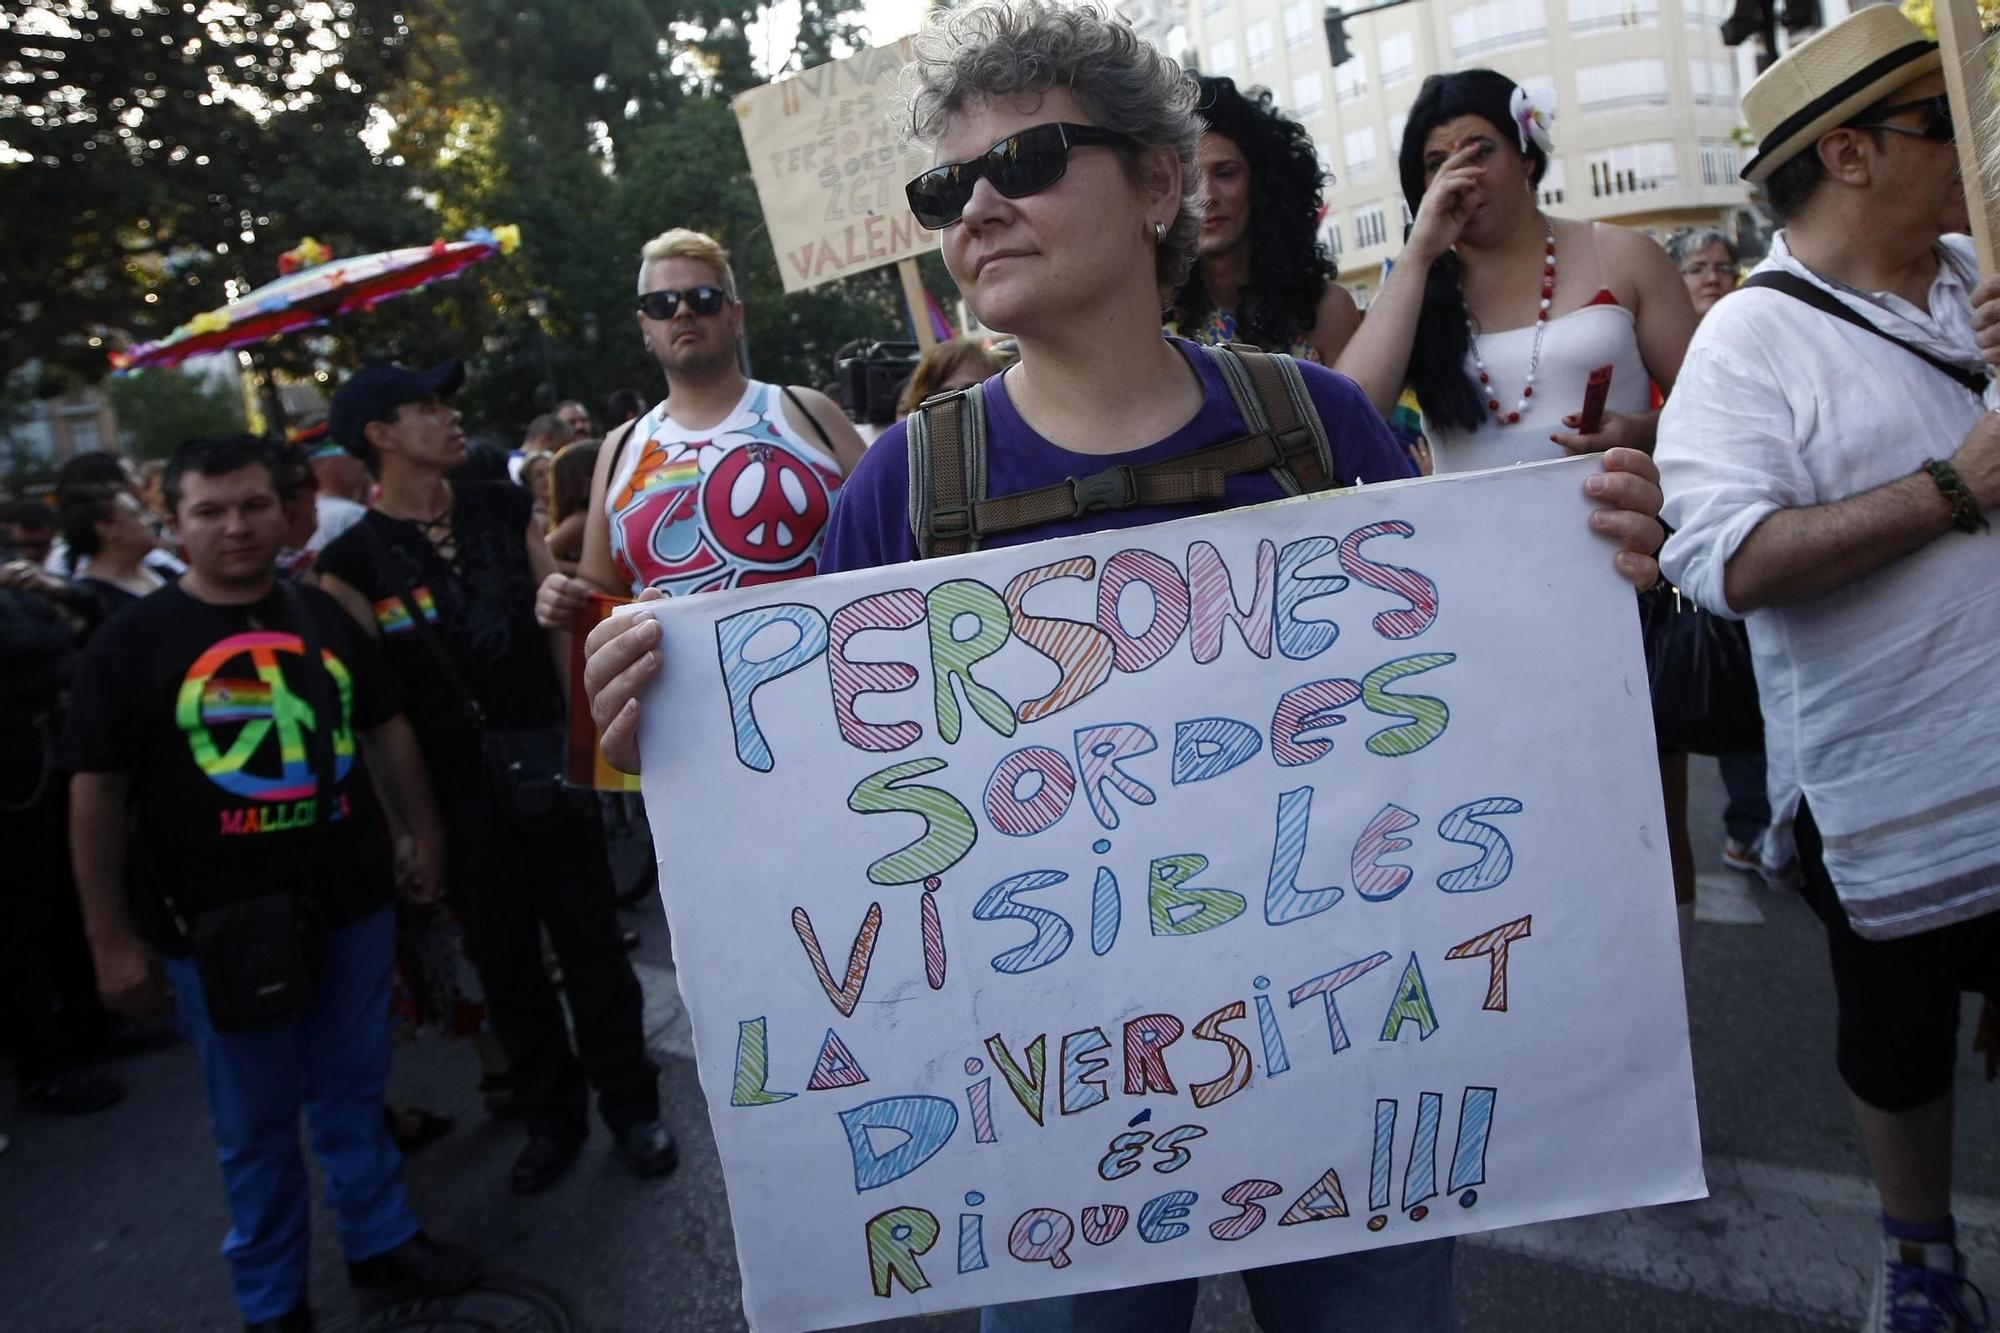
(1498, 314)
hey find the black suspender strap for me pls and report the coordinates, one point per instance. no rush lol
(818, 429)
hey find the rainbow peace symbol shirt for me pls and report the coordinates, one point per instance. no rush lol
(739, 503)
(206, 709)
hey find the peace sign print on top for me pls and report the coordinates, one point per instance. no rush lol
(247, 728)
(741, 504)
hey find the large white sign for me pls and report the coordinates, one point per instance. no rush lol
(830, 168)
(1174, 900)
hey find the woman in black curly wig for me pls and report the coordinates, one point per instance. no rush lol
(1262, 276)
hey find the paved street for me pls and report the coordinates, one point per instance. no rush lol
(111, 1222)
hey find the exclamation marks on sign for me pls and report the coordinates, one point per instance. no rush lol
(1468, 1159)
(1468, 1162)
(1383, 1163)
(1420, 1181)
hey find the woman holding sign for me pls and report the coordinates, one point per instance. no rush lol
(1524, 336)
(1065, 190)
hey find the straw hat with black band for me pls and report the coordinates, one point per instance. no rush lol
(1826, 82)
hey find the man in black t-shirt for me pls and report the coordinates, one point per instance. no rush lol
(191, 741)
(444, 573)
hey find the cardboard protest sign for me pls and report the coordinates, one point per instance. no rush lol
(1968, 82)
(1173, 900)
(830, 170)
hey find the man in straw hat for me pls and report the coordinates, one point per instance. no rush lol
(1829, 463)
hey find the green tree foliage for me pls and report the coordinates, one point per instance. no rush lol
(1923, 13)
(182, 145)
(172, 146)
(595, 133)
(159, 409)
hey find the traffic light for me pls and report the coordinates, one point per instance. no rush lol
(1749, 19)
(1336, 37)
(1801, 14)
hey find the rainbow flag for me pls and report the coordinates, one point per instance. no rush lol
(940, 325)
(683, 471)
(235, 701)
(394, 617)
(585, 766)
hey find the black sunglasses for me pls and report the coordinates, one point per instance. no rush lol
(1019, 165)
(661, 305)
(1939, 127)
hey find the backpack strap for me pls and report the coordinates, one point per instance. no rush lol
(947, 443)
(1271, 397)
(950, 512)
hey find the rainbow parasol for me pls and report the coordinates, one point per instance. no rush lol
(316, 295)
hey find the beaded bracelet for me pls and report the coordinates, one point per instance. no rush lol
(1965, 513)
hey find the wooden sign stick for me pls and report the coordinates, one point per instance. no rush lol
(920, 308)
(1968, 81)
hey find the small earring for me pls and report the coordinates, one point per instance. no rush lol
(1159, 233)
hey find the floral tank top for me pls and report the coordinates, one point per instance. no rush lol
(740, 503)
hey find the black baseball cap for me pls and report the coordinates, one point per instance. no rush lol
(379, 388)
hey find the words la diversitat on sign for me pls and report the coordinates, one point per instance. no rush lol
(1174, 900)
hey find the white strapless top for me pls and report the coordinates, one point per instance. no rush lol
(1573, 345)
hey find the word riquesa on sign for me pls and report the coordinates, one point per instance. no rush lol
(1276, 605)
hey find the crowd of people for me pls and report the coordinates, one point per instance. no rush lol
(358, 645)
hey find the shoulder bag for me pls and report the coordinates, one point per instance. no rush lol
(1703, 685)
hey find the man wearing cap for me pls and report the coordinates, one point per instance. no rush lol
(444, 573)
(1829, 465)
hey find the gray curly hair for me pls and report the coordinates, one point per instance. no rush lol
(1011, 48)
(1693, 240)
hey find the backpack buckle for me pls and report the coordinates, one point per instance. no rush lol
(1113, 488)
(1295, 442)
(951, 522)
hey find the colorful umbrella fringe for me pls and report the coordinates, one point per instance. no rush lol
(315, 290)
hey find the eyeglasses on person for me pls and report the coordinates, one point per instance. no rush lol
(1938, 128)
(662, 305)
(1021, 164)
(1702, 268)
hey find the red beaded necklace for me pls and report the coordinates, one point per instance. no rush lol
(1501, 418)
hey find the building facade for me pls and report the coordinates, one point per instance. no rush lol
(45, 433)
(1646, 95)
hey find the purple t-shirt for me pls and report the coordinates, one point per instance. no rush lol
(871, 521)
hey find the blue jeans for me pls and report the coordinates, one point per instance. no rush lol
(332, 1060)
(1403, 1289)
(1748, 813)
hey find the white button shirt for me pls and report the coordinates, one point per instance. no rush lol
(1882, 699)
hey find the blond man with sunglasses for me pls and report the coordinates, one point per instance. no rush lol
(728, 480)
(1829, 465)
